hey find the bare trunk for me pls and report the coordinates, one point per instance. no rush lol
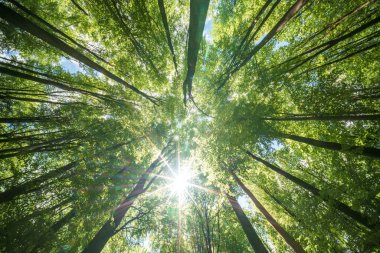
(335, 203)
(285, 235)
(101, 238)
(16, 19)
(198, 13)
(249, 231)
(359, 150)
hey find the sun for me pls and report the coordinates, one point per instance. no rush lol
(181, 181)
(179, 184)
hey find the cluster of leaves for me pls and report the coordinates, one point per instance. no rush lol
(280, 107)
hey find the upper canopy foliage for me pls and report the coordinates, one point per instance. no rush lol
(272, 107)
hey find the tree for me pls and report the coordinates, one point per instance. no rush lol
(91, 90)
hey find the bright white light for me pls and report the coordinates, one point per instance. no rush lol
(181, 182)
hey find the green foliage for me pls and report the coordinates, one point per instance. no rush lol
(318, 78)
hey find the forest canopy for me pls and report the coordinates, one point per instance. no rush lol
(189, 126)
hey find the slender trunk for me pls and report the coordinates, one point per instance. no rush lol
(207, 235)
(357, 216)
(26, 187)
(279, 202)
(32, 119)
(54, 29)
(59, 85)
(347, 56)
(37, 148)
(167, 31)
(344, 117)
(262, 23)
(27, 138)
(53, 230)
(108, 229)
(38, 213)
(243, 43)
(34, 100)
(79, 7)
(276, 29)
(249, 231)
(119, 17)
(329, 44)
(334, 24)
(285, 235)
(48, 75)
(48, 143)
(359, 150)
(16, 19)
(253, 23)
(198, 13)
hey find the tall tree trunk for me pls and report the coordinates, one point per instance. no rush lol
(79, 7)
(53, 230)
(34, 100)
(331, 26)
(357, 216)
(198, 13)
(253, 23)
(285, 235)
(328, 44)
(167, 31)
(54, 29)
(32, 119)
(55, 208)
(359, 150)
(17, 20)
(344, 117)
(59, 85)
(279, 202)
(108, 229)
(276, 29)
(249, 231)
(26, 187)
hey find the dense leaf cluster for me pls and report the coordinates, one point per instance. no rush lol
(273, 105)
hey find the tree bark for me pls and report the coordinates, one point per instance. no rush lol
(357, 216)
(26, 187)
(31, 119)
(56, 30)
(101, 238)
(249, 231)
(359, 150)
(276, 29)
(253, 23)
(198, 13)
(53, 230)
(17, 20)
(79, 7)
(329, 44)
(285, 235)
(59, 85)
(344, 117)
(164, 18)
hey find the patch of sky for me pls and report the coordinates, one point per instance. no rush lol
(70, 66)
(312, 83)
(244, 203)
(260, 39)
(207, 30)
(208, 37)
(280, 44)
(276, 145)
(107, 116)
(10, 53)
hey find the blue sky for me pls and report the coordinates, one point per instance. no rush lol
(207, 30)
(70, 65)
